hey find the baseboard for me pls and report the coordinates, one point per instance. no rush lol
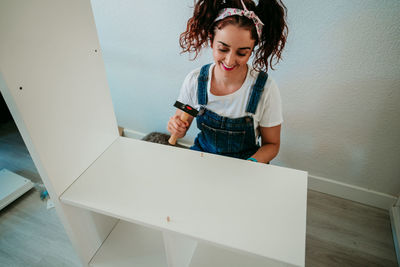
(133, 134)
(398, 201)
(140, 135)
(351, 192)
(395, 220)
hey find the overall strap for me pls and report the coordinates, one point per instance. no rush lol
(202, 85)
(256, 92)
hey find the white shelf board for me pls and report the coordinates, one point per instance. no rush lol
(240, 205)
(130, 245)
(207, 255)
(12, 186)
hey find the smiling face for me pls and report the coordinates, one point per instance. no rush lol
(232, 47)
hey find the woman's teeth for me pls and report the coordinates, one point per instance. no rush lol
(226, 67)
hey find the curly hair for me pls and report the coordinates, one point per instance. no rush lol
(201, 28)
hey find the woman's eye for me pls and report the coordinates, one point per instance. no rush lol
(241, 55)
(223, 50)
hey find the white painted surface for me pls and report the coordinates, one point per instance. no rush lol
(324, 185)
(131, 245)
(351, 192)
(64, 111)
(398, 202)
(12, 186)
(65, 102)
(232, 203)
(179, 249)
(339, 81)
(134, 245)
(86, 230)
(207, 255)
(133, 134)
(340, 85)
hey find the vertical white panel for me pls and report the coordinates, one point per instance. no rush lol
(179, 249)
(48, 48)
(53, 79)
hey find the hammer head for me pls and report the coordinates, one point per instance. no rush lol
(186, 108)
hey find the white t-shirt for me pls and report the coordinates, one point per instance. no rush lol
(269, 109)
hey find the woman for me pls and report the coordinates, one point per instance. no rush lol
(238, 103)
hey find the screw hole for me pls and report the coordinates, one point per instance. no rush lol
(95, 50)
(20, 88)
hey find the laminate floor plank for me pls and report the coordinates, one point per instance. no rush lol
(321, 253)
(30, 233)
(343, 231)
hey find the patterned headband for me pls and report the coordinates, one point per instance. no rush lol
(226, 12)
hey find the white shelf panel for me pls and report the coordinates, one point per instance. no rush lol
(207, 255)
(131, 245)
(12, 186)
(241, 205)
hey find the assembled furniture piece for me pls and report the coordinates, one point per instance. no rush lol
(125, 202)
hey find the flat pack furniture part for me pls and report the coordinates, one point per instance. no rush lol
(122, 201)
(12, 186)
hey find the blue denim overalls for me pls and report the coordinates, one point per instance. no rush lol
(223, 135)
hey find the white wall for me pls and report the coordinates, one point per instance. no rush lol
(340, 84)
(339, 81)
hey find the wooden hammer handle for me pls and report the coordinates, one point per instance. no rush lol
(184, 117)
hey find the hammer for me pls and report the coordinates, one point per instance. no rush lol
(187, 110)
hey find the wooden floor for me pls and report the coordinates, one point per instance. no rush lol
(339, 232)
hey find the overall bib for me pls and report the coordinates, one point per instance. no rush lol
(222, 135)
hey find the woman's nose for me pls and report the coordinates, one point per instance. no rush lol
(230, 60)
